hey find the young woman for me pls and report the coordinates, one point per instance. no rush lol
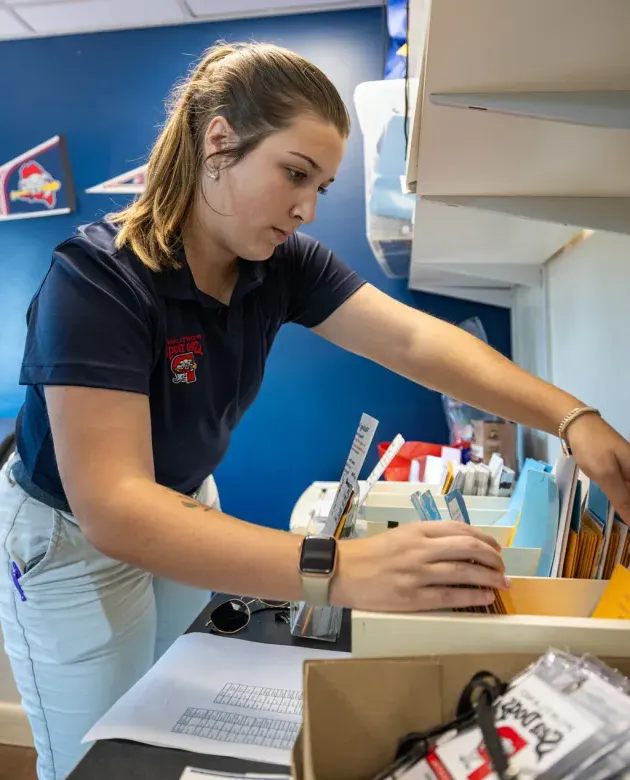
(147, 341)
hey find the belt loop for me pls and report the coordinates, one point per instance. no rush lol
(8, 467)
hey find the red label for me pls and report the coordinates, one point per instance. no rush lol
(182, 354)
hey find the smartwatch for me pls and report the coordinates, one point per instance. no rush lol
(318, 562)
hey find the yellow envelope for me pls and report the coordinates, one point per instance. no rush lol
(615, 601)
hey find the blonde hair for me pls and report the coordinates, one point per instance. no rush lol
(259, 89)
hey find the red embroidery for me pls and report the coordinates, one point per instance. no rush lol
(182, 354)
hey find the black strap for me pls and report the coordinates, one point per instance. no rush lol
(491, 738)
(478, 697)
(476, 705)
(479, 683)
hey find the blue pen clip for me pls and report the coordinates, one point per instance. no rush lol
(15, 576)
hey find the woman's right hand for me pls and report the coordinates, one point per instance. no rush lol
(415, 568)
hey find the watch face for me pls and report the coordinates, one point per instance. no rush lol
(318, 555)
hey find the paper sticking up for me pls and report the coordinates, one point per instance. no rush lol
(351, 471)
(615, 601)
(389, 455)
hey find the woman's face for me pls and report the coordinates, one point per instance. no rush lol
(254, 205)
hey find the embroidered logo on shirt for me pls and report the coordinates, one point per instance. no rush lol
(183, 354)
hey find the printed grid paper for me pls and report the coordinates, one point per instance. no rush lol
(246, 729)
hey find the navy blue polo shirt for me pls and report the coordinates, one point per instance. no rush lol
(103, 319)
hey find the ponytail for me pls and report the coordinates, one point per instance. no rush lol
(259, 89)
(151, 224)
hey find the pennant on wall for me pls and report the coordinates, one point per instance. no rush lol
(397, 23)
(130, 183)
(38, 183)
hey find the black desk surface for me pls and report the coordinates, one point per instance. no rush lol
(133, 761)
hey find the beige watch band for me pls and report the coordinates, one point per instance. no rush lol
(315, 589)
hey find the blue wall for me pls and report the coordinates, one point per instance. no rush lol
(105, 92)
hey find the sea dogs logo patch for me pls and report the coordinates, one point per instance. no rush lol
(36, 185)
(183, 355)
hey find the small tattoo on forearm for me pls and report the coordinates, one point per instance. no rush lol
(188, 502)
(195, 505)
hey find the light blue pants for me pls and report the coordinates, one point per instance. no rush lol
(90, 626)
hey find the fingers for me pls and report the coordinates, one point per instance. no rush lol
(623, 502)
(449, 528)
(463, 573)
(452, 598)
(604, 456)
(616, 487)
(462, 548)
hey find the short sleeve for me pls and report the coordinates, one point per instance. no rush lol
(88, 324)
(319, 281)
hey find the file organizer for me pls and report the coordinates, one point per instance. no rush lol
(381, 510)
(407, 488)
(484, 508)
(553, 612)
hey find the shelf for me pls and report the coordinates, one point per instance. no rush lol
(499, 296)
(545, 156)
(480, 255)
(563, 60)
(608, 109)
(608, 214)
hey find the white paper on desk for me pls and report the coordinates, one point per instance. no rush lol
(190, 773)
(216, 695)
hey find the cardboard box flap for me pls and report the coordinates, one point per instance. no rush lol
(346, 704)
(356, 710)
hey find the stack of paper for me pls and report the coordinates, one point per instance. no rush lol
(570, 518)
(598, 539)
(472, 479)
(557, 511)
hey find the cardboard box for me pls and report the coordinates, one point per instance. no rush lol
(356, 710)
(491, 437)
(552, 612)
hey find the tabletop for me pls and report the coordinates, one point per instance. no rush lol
(134, 761)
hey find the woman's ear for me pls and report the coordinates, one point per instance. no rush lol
(219, 137)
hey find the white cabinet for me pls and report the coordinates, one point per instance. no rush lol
(521, 123)
(479, 255)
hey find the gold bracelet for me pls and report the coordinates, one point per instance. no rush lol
(571, 417)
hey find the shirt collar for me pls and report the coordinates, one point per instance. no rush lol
(179, 283)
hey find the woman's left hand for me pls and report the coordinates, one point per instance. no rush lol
(604, 456)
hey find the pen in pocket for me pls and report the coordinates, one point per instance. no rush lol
(15, 576)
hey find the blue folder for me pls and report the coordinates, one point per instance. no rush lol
(516, 500)
(540, 517)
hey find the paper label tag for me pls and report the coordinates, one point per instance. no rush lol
(383, 463)
(456, 506)
(538, 728)
(350, 477)
(425, 505)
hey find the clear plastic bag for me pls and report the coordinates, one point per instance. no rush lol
(593, 687)
(563, 718)
(599, 684)
(389, 209)
(460, 416)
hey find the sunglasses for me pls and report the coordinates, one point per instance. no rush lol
(234, 615)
